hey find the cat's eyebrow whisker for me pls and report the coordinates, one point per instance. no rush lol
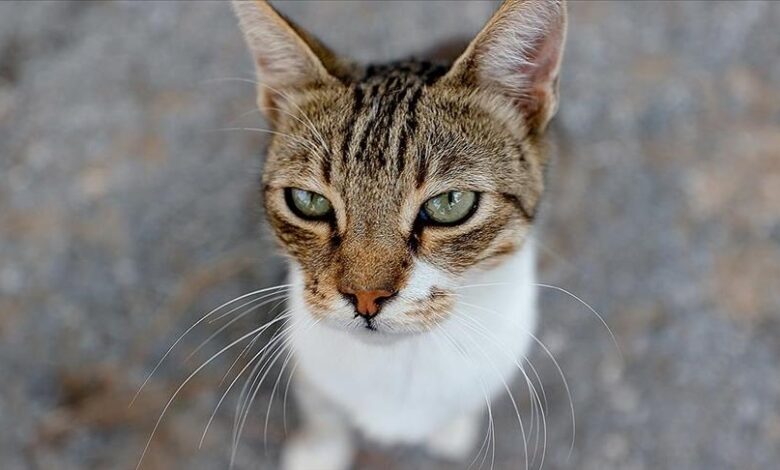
(291, 101)
(280, 93)
(243, 115)
(310, 146)
(308, 124)
(194, 325)
(231, 79)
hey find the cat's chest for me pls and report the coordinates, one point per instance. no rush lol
(406, 391)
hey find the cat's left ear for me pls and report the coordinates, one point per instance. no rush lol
(518, 54)
(287, 59)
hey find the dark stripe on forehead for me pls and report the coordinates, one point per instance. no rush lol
(409, 129)
(349, 125)
(325, 166)
(364, 112)
(386, 123)
(387, 97)
(432, 72)
(383, 94)
(422, 168)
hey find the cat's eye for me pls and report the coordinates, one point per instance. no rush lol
(307, 204)
(450, 208)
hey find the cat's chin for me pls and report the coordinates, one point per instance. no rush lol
(377, 336)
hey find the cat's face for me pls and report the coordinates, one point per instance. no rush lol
(388, 185)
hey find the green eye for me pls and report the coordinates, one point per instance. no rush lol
(307, 204)
(450, 208)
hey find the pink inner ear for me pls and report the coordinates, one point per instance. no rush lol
(540, 73)
(543, 58)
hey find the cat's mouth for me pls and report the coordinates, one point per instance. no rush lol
(369, 323)
(377, 334)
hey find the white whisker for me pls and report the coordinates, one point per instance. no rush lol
(238, 376)
(281, 298)
(186, 381)
(168, 352)
(598, 315)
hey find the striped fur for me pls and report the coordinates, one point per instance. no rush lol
(378, 141)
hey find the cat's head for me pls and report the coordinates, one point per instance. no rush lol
(387, 185)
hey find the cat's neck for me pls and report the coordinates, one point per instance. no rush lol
(471, 355)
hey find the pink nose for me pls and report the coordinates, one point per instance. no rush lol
(367, 301)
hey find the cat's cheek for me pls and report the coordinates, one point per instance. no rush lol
(431, 312)
(424, 278)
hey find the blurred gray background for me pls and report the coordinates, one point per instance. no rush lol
(125, 215)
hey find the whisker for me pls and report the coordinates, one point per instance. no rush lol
(298, 108)
(271, 400)
(503, 381)
(243, 115)
(555, 363)
(598, 315)
(254, 375)
(286, 390)
(168, 352)
(287, 97)
(298, 140)
(489, 436)
(284, 345)
(186, 381)
(237, 377)
(231, 79)
(567, 292)
(281, 298)
(265, 296)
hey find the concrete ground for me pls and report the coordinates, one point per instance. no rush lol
(125, 215)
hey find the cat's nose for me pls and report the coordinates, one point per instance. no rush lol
(367, 302)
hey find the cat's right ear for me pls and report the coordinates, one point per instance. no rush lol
(286, 58)
(518, 54)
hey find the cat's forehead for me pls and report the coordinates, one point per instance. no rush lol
(373, 128)
(389, 131)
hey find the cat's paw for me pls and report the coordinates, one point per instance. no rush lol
(317, 451)
(456, 441)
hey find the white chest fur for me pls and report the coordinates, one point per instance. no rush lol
(403, 391)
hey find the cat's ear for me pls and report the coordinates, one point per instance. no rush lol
(518, 54)
(287, 59)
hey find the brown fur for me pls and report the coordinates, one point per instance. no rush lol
(378, 141)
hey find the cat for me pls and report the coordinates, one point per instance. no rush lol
(404, 196)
